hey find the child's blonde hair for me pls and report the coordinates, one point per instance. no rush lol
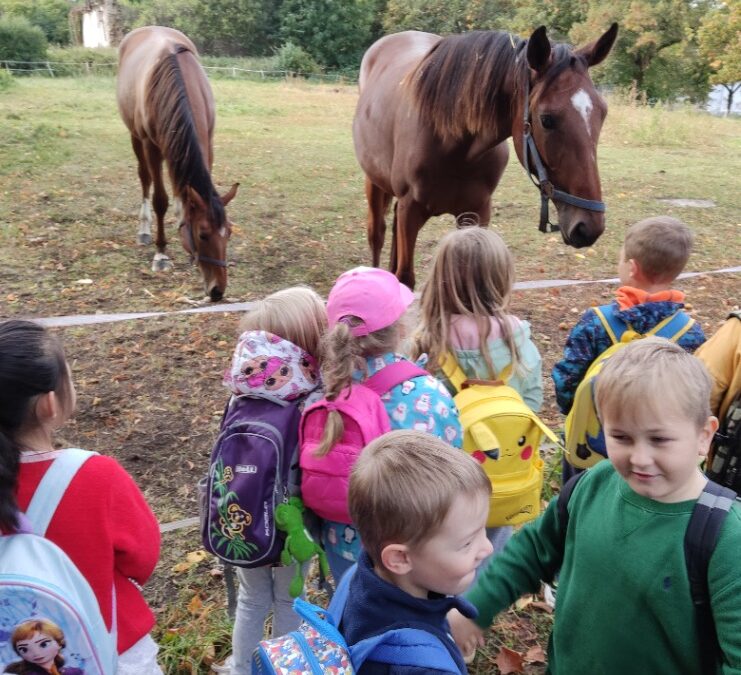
(296, 314)
(343, 354)
(660, 245)
(653, 375)
(472, 275)
(403, 486)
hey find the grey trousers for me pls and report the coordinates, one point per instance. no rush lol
(260, 590)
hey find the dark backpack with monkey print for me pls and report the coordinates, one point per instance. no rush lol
(253, 469)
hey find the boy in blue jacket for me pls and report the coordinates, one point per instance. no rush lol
(420, 507)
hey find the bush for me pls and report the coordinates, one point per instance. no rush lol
(6, 80)
(83, 60)
(22, 42)
(295, 60)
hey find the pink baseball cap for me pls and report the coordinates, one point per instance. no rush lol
(373, 295)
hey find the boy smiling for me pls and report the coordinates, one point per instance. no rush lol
(624, 601)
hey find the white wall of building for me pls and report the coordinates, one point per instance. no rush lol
(95, 31)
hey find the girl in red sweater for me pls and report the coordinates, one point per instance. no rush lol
(103, 522)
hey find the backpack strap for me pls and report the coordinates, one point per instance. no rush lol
(563, 503)
(700, 539)
(614, 326)
(457, 378)
(673, 327)
(392, 374)
(52, 487)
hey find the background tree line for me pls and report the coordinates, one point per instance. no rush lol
(666, 48)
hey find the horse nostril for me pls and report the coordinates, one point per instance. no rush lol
(580, 236)
(216, 294)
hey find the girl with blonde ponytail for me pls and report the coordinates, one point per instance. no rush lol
(366, 312)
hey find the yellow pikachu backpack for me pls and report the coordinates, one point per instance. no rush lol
(585, 440)
(502, 433)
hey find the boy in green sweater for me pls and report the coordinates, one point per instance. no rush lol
(624, 602)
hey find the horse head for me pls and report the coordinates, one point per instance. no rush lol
(561, 111)
(204, 232)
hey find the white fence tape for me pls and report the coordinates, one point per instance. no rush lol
(89, 319)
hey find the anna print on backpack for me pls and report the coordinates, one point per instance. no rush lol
(76, 530)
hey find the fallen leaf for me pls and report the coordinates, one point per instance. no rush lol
(509, 661)
(535, 655)
(195, 604)
(195, 557)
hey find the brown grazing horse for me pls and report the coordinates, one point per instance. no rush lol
(433, 117)
(166, 102)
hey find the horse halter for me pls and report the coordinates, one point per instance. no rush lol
(547, 190)
(196, 257)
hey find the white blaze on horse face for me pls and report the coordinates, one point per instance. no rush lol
(583, 104)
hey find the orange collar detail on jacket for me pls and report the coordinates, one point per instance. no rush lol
(627, 296)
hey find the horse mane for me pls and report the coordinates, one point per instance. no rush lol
(176, 133)
(463, 81)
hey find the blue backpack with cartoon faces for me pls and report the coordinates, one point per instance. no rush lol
(318, 647)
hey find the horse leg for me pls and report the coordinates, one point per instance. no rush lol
(378, 203)
(410, 218)
(144, 235)
(392, 257)
(161, 262)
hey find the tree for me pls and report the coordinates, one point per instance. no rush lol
(558, 16)
(51, 16)
(647, 29)
(719, 37)
(21, 42)
(334, 32)
(447, 16)
(228, 27)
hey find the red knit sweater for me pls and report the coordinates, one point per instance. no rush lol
(106, 527)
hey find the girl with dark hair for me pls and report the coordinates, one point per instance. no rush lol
(102, 522)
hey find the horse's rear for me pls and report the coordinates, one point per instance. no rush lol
(166, 102)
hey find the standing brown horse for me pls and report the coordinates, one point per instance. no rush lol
(433, 117)
(166, 102)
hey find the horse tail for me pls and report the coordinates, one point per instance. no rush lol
(176, 134)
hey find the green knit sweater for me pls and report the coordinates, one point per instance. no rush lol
(623, 602)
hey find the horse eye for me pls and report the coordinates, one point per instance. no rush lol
(548, 121)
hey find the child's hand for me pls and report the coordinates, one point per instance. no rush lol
(466, 633)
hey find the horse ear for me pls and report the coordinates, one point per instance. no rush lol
(228, 196)
(597, 51)
(538, 50)
(196, 199)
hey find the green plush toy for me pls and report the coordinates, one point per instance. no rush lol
(300, 545)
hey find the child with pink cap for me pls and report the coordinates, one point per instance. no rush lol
(366, 312)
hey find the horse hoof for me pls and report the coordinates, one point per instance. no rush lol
(144, 239)
(161, 263)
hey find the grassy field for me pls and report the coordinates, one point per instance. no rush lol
(149, 390)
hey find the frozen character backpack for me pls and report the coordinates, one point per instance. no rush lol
(502, 433)
(252, 471)
(585, 440)
(325, 480)
(318, 647)
(45, 602)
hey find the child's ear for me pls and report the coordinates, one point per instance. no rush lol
(395, 558)
(706, 435)
(635, 269)
(47, 407)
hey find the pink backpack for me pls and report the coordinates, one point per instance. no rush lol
(325, 480)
